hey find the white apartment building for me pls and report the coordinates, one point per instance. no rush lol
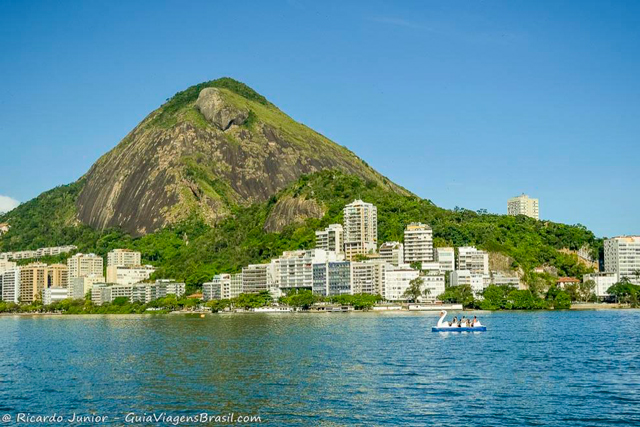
(418, 243)
(436, 285)
(142, 292)
(523, 205)
(51, 295)
(622, 256)
(6, 265)
(85, 264)
(38, 253)
(499, 278)
(10, 285)
(474, 260)
(255, 278)
(124, 258)
(235, 286)
(218, 288)
(331, 238)
(129, 275)
(466, 277)
(392, 252)
(360, 228)
(296, 267)
(446, 258)
(603, 282)
(80, 286)
(368, 277)
(397, 281)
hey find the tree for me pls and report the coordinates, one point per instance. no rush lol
(562, 301)
(416, 265)
(586, 289)
(414, 291)
(625, 292)
(301, 298)
(462, 294)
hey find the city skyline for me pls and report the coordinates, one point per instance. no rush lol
(541, 113)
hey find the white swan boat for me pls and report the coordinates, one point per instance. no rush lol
(443, 326)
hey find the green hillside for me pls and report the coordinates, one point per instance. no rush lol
(193, 251)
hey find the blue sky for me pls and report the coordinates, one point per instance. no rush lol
(466, 103)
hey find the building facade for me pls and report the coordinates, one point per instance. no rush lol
(368, 277)
(128, 275)
(255, 278)
(523, 205)
(622, 256)
(418, 243)
(124, 258)
(397, 281)
(332, 278)
(360, 229)
(392, 252)
(466, 277)
(80, 286)
(331, 238)
(474, 260)
(85, 264)
(446, 258)
(10, 285)
(51, 295)
(603, 282)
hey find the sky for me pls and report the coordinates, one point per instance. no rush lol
(466, 103)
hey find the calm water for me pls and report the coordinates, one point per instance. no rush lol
(535, 368)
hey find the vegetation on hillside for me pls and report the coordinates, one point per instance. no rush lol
(193, 251)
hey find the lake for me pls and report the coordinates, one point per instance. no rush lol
(574, 368)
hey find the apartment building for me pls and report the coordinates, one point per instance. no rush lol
(331, 238)
(622, 256)
(397, 281)
(368, 277)
(141, 292)
(446, 258)
(392, 252)
(466, 277)
(55, 294)
(255, 278)
(296, 267)
(603, 282)
(129, 275)
(10, 285)
(435, 283)
(360, 229)
(124, 258)
(218, 288)
(474, 260)
(332, 278)
(34, 278)
(418, 243)
(85, 264)
(523, 205)
(80, 286)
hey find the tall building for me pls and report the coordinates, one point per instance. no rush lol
(235, 285)
(446, 258)
(255, 278)
(128, 275)
(84, 264)
(523, 205)
(332, 278)
(10, 285)
(368, 277)
(57, 276)
(123, 258)
(34, 278)
(474, 260)
(218, 288)
(331, 238)
(296, 267)
(360, 228)
(418, 243)
(622, 256)
(397, 280)
(80, 286)
(392, 252)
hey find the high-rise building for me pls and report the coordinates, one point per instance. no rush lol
(123, 258)
(523, 205)
(57, 276)
(474, 260)
(129, 275)
(80, 286)
(418, 243)
(255, 278)
(296, 267)
(235, 285)
(446, 258)
(331, 238)
(368, 277)
(34, 278)
(622, 256)
(397, 281)
(332, 278)
(360, 228)
(392, 252)
(84, 264)
(218, 288)
(10, 285)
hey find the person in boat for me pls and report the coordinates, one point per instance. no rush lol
(467, 323)
(475, 322)
(463, 321)
(454, 322)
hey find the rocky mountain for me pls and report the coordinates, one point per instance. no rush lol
(209, 149)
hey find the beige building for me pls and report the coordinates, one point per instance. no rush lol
(360, 228)
(368, 277)
(255, 278)
(129, 275)
(392, 252)
(523, 205)
(418, 243)
(33, 280)
(124, 258)
(85, 264)
(331, 238)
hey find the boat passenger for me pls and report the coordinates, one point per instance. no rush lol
(454, 322)
(476, 322)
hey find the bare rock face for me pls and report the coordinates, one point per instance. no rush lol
(216, 110)
(290, 210)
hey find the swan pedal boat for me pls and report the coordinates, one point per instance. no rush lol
(443, 326)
